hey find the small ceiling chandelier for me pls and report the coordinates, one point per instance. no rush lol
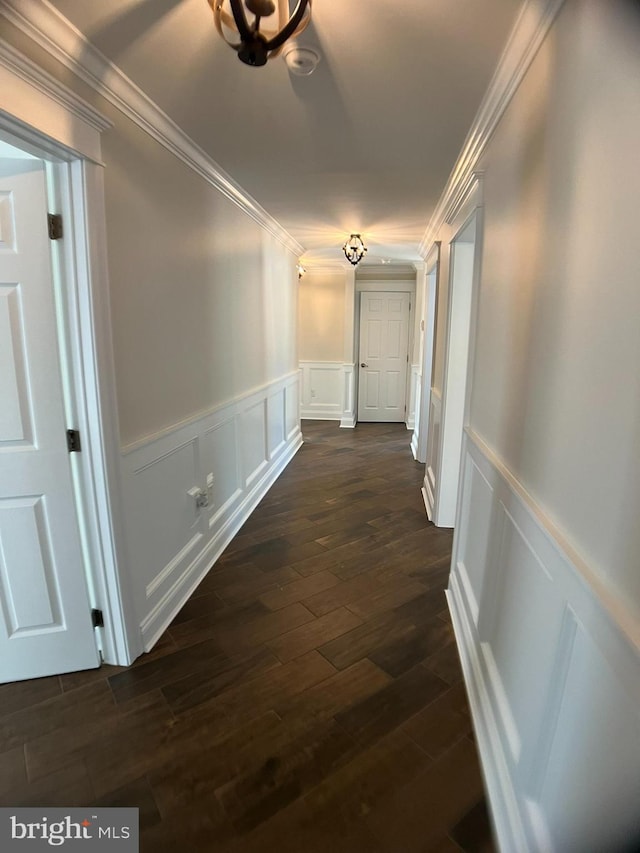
(354, 249)
(256, 46)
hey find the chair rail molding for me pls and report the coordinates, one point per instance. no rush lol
(523, 601)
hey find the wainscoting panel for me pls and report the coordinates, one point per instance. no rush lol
(276, 422)
(292, 409)
(433, 454)
(322, 389)
(475, 519)
(552, 673)
(586, 792)
(349, 378)
(416, 404)
(253, 430)
(231, 455)
(414, 395)
(221, 461)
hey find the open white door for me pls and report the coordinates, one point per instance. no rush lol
(45, 616)
(384, 340)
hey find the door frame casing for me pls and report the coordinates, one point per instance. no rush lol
(469, 206)
(51, 121)
(390, 286)
(430, 319)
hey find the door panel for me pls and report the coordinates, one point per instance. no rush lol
(384, 338)
(395, 398)
(372, 389)
(45, 618)
(15, 422)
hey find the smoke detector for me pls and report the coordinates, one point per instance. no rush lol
(301, 61)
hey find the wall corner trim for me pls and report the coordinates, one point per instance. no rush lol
(528, 33)
(51, 31)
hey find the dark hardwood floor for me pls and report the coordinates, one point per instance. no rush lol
(308, 698)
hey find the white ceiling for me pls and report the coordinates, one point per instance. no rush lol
(364, 144)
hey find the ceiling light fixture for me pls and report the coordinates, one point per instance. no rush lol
(354, 249)
(255, 46)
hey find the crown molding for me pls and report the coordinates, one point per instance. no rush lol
(531, 27)
(31, 73)
(326, 268)
(51, 31)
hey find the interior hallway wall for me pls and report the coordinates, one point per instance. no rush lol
(321, 332)
(203, 299)
(545, 585)
(556, 381)
(203, 305)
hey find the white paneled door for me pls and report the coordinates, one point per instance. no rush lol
(45, 616)
(384, 339)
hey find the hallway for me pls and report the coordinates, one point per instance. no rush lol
(307, 698)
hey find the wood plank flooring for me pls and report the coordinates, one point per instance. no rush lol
(307, 698)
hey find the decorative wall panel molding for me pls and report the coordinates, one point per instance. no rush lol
(231, 455)
(349, 417)
(416, 404)
(322, 390)
(414, 395)
(552, 672)
(433, 445)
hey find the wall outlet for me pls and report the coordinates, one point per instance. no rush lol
(200, 497)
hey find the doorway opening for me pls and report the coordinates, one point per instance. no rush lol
(45, 590)
(61, 566)
(447, 405)
(428, 326)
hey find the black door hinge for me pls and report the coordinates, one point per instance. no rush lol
(97, 618)
(54, 223)
(73, 441)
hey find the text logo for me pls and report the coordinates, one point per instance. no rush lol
(28, 829)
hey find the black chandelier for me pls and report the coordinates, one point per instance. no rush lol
(354, 249)
(255, 46)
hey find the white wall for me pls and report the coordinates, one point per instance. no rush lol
(203, 298)
(204, 312)
(321, 312)
(321, 333)
(557, 389)
(545, 588)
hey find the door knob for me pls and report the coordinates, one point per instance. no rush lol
(362, 364)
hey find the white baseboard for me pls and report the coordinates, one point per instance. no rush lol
(310, 413)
